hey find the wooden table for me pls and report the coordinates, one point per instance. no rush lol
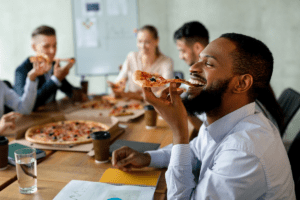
(59, 167)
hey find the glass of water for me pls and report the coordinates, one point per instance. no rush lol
(26, 170)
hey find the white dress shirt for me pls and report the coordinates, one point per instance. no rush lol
(163, 66)
(10, 98)
(241, 156)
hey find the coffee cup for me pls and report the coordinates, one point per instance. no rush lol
(150, 117)
(3, 152)
(84, 87)
(101, 142)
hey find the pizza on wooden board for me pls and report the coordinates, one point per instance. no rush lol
(145, 79)
(69, 132)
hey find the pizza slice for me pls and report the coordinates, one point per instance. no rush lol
(120, 111)
(70, 60)
(40, 57)
(145, 79)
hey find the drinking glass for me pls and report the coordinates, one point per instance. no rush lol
(26, 170)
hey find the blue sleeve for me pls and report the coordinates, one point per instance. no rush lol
(44, 91)
(24, 104)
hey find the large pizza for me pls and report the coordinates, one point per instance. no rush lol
(64, 132)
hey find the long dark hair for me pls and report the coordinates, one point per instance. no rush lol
(153, 31)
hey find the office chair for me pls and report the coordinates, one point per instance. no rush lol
(293, 154)
(179, 74)
(289, 101)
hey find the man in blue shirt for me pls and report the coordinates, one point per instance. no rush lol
(44, 42)
(240, 152)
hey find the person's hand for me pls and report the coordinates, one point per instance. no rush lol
(8, 121)
(61, 72)
(171, 108)
(126, 158)
(39, 68)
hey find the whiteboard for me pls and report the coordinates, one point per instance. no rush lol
(103, 34)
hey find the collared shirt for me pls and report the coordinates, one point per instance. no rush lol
(241, 156)
(10, 98)
(163, 65)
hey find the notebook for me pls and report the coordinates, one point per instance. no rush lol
(83, 190)
(138, 146)
(15, 146)
(140, 178)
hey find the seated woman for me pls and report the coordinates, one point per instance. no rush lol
(148, 59)
(23, 104)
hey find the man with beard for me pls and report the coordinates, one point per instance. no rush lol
(239, 149)
(191, 38)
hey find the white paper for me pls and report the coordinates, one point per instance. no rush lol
(117, 7)
(87, 32)
(82, 190)
(91, 8)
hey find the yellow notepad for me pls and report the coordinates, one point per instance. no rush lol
(143, 178)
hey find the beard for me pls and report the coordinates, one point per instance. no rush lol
(208, 99)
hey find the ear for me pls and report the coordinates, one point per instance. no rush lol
(243, 83)
(198, 48)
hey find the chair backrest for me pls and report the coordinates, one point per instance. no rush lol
(6, 108)
(293, 154)
(179, 74)
(289, 101)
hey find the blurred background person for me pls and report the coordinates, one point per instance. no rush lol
(149, 59)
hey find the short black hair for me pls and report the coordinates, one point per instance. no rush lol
(43, 30)
(192, 32)
(253, 57)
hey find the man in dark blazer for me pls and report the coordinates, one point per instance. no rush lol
(44, 42)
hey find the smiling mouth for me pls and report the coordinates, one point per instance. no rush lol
(197, 83)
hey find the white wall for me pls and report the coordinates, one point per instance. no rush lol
(275, 22)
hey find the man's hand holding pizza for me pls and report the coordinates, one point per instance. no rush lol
(61, 72)
(171, 108)
(39, 68)
(8, 121)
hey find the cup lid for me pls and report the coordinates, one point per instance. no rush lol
(100, 135)
(148, 107)
(3, 140)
